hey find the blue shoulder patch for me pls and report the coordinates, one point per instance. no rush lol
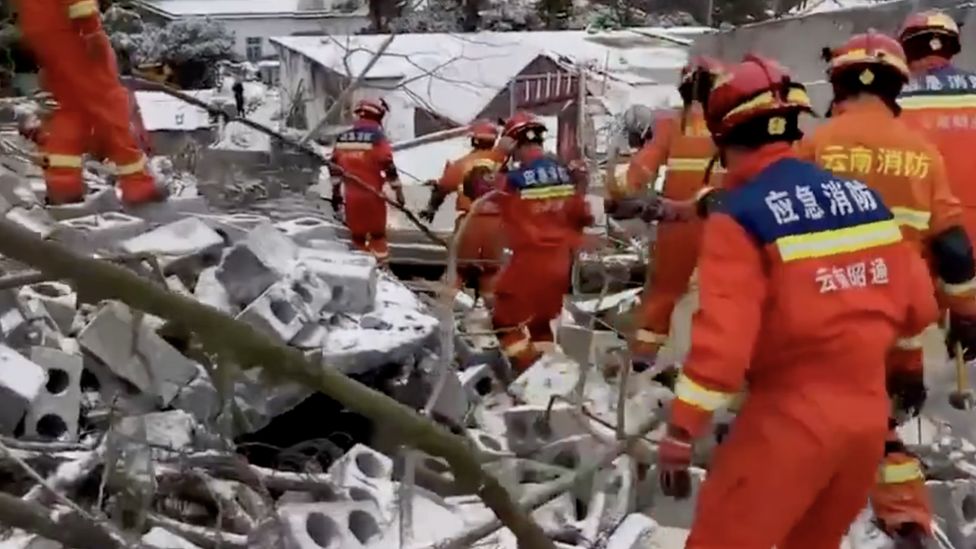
(793, 197)
(947, 80)
(539, 173)
(364, 134)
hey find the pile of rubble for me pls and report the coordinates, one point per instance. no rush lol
(109, 415)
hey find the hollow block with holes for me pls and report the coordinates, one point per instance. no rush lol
(351, 276)
(530, 428)
(288, 305)
(58, 298)
(99, 231)
(262, 258)
(182, 246)
(20, 382)
(367, 475)
(305, 229)
(53, 415)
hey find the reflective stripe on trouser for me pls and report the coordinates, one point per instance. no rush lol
(899, 495)
(67, 137)
(376, 245)
(906, 355)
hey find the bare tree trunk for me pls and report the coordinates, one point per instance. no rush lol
(239, 343)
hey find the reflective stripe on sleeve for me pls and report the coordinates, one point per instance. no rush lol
(961, 289)
(647, 336)
(688, 164)
(82, 9)
(916, 219)
(900, 472)
(63, 161)
(838, 241)
(513, 349)
(700, 397)
(909, 343)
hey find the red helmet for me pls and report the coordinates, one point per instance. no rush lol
(755, 87)
(523, 126)
(371, 108)
(701, 64)
(863, 51)
(483, 130)
(928, 22)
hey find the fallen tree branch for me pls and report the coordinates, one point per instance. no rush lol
(198, 535)
(67, 528)
(244, 345)
(303, 148)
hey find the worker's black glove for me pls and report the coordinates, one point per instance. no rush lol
(427, 215)
(337, 203)
(962, 330)
(642, 207)
(907, 391)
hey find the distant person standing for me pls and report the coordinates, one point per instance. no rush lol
(238, 90)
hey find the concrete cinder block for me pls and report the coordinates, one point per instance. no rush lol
(530, 428)
(172, 209)
(99, 230)
(262, 258)
(278, 312)
(35, 219)
(352, 278)
(478, 381)
(98, 199)
(211, 292)
(349, 525)
(488, 446)
(136, 353)
(181, 246)
(954, 502)
(304, 229)
(168, 431)
(199, 398)
(54, 412)
(635, 532)
(234, 226)
(58, 298)
(366, 474)
(587, 346)
(20, 382)
(612, 498)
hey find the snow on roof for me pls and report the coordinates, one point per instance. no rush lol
(424, 162)
(161, 112)
(457, 75)
(824, 6)
(242, 8)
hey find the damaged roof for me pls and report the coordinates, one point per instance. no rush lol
(457, 75)
(243, 9)
(162, 112)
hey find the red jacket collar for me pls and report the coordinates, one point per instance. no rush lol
(755, 162)
(863, 104)
(927, 64)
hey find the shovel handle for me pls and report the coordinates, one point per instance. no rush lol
(962, 379)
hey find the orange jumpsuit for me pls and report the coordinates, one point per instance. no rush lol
(687, 153)
(82, 75)
(941, 100)
(543, 214)
(481, 244)
(866, 141)
(363, 154)
(805, 283)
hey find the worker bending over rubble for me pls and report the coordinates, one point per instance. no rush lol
(682, 142)
(940, 99)
(865, 140)
(543, 208)
(362, 162)
(805, 284)
(479, 250)
(79, 68)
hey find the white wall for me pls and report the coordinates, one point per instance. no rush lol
(268, 27)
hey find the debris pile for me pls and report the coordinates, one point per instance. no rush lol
(111, 418)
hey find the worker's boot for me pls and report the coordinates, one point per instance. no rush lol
(142, 188)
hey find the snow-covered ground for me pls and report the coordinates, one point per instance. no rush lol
(823, 6)
(262, 106)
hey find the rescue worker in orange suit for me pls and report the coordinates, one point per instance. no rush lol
(683, 143)
(543, 213)
(80, 70)
(805, 284)
(364, 162)
(940, 99)
(865, 140)
(480, 247)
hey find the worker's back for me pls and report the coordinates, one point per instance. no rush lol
(363, 154)
(682, 143)
(865, 141)
(456, 172)
(941, 102)
(842, 286)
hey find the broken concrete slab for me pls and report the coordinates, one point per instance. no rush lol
(98, 199)
(34, 219)
(58, 298)
(199, 398)
(165, 431)
(635, 532)
(211, 292)
(54, 412)
(180, 246)
(304, 229)
(234, 226)
(99, 230)
(351, 276)
(262, 258)
(134, 352)
(587, 346)
(161, 538)
(20, 382)
(172, 209)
